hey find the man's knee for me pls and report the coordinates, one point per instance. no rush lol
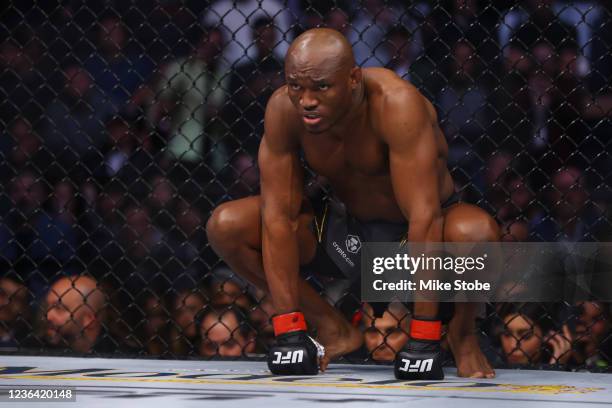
(224, 225)
(469, 223)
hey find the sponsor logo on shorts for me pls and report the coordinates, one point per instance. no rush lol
(353, 244)
(417, 366)
(290, 357)
(343, 254)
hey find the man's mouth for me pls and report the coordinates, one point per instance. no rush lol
(311, 118)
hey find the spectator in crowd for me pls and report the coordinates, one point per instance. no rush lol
(461, 20)
(225, 332)
(535, 21)
(75, 315)
(185, 99)
(398, 41)
(184, 330)
(33, 239)
(555, 20)
(370, 26)
(15, 314)
(385, 336)
(154, 327)
(21, 149)
(73, 126)
(190, 232)
(465, 113)
(515, 231)
(593, 335)
(571, 219)
(233, 17)
(127, 154)
(24, 87)
(338, 19)
(530, 338)
(251, 84)
(116, 70)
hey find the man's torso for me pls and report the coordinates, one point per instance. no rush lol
(356, 164)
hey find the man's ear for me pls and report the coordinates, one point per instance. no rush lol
(355, 77)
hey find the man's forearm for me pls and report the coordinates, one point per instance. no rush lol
(430, 230)
(281, 263)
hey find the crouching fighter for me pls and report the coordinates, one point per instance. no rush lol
(375, 138)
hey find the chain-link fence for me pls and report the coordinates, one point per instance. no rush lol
(126, 123)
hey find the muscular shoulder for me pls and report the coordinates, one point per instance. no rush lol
(281, 118)
(394, 101)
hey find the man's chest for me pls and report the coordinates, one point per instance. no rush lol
(359, 154)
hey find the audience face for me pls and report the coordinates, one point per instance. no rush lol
(186, 305)
(464, 60)
(112, 36)
(522, 340)
(568, 196)
(210, 46)
(163, 192)
(265, 40)
(545, 58)
(155, 324)
(63, 198)
(386, 335)
(78, 82)
(222, 336)
(338, 20)
(27, 193)
(138, 234)
(13, 304)
(120, 135)
(515, 231)
(74, 313)
(591, 328)
(26, 142)
(567, 63)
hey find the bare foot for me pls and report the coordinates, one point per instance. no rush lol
(338, 340)
(468, 356)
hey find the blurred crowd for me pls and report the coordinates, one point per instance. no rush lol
(126, 124)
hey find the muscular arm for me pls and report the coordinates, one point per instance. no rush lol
(281, 198)
(413, 157)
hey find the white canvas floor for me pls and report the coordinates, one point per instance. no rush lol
(172, 384)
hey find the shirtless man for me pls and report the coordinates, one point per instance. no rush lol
(376, 140)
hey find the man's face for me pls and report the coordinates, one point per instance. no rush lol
(222, 336)
(13, 301)
(321, 94)
(266, 39)
(385, 336)
(65, 309)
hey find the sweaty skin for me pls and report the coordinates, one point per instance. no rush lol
(375, 138)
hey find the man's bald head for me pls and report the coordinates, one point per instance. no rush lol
(77, 293)
(320, 47)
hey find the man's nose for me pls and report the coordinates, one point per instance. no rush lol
(308, 101)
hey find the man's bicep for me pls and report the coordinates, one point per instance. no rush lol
(413, 157)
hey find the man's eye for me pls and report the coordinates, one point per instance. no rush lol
(323, 87)
(295, 87)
